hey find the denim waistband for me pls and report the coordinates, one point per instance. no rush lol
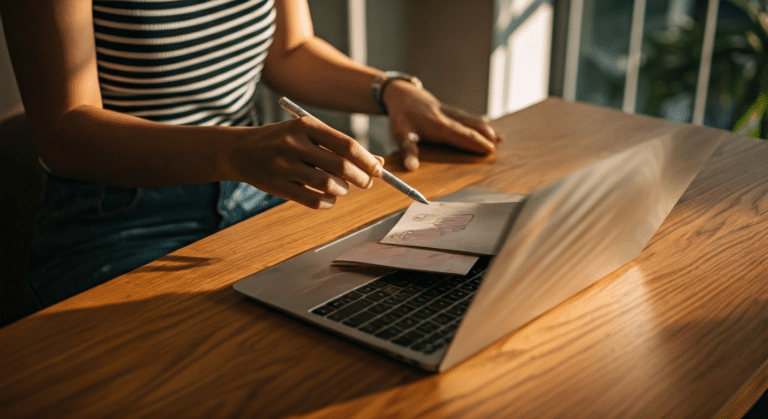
(88, 233)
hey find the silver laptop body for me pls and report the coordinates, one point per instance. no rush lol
(565, 237)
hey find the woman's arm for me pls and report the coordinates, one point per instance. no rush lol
(55, 67)
(52, 48)
(307, 68)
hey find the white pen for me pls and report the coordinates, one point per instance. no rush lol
(391, 179)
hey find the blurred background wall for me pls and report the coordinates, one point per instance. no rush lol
(9, 94)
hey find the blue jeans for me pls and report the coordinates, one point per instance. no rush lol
(88, 233)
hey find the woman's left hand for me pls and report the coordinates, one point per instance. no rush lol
(415, 114)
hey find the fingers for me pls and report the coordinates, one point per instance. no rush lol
(344, 146)
(322, 182)
(464, 137)
(410, 151)
(442, 124)
(381, 161)
(312, 187)
(479, 124)
(307, 197)
(302, 160)
(408, 140)
(330, 163)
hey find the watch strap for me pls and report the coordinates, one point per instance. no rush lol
(381, 82)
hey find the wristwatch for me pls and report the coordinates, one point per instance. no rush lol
(381, 82)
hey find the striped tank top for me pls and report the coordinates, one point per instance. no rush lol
(187, 62)
(182, 62)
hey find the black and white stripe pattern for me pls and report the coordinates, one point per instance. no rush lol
(182, 62)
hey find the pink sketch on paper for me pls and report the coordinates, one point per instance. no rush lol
(372, 253)
(444, 225)
(465, 227)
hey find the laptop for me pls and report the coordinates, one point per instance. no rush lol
(563, 238)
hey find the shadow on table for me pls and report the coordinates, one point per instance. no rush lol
(174, 262)
(203, 354)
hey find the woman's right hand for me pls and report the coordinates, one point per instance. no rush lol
(303, 160)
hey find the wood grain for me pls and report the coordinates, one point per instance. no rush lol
(678, 332)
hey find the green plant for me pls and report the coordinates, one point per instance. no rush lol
(738, 88)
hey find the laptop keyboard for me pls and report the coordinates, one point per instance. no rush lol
(417, 310)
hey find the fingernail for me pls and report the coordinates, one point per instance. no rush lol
(413, 137)
(326, 203)
(370, 183)
(411, 163)
(493, 133)
(338, 187)
(377, 170)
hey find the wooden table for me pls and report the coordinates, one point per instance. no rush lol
(679, 332)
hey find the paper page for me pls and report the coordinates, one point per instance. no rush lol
(372, 253)
(459, 226)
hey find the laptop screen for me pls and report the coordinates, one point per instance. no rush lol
(577, 230)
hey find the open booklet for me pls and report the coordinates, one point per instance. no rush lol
(442, 237)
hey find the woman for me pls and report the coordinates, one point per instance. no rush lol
(142, 113)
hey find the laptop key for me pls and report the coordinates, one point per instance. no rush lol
(339, 302)
(354, 295)
(407, 323)
(443, 318)
(380, 308)
(389, 318)
(432, 293)
(377, 295)
(403, 278)
(365, 289)
(349, 310)
(408, 338)
(379, 283)
(457, 311)
(431, 279)
(442, 288)
(452, 282)
(418, 301)
(410, 291)
(371, 327)
(402, 310)
(421, 346)
(396, 299)
(359, 319)
(427, 327)
(391, 289)
(455, 295)
(323, 310)
(440, 304)
(434, 338)
(389, 333)
(424, 313)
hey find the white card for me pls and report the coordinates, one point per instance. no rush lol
(459, 226)
(372, 253)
